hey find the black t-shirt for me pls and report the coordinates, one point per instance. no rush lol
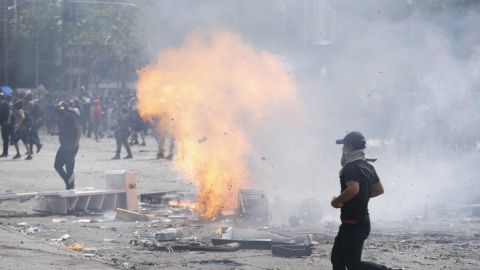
(4, 111)
(69, 129)
(364, 173)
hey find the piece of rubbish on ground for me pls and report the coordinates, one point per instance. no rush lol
(256, 239)
(253, 234)
(109, 241)
(166, 197)
(59, 220)
(262, 244)
(169, 234)
(90, 250)
(34, 229)
(192, 246)
(288, 251)
(86, 220)
(143, 234)
(88, 255)
(128, 215)
(253, 207)
(60, 239)
(188, 240)
(228, 262)
(12, 214)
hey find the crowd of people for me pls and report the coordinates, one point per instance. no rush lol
(24, 114)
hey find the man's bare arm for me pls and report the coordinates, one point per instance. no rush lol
(377, 190)
(351, 191)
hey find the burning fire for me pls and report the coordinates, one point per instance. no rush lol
(211, 94)
(183, 204)
(75, 247)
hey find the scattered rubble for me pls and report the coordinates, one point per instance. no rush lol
(59, 240)
(127, 215)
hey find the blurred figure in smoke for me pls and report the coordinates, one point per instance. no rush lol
(96, 116)
(5, 123)
(359, 182)
(34, 112)
(84, 104)
(139, 127)
(161, 143)
(69, 132)
(21, 129)
(161, 137)
(122, 131)
(50, 116)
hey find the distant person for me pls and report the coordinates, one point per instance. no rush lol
(69, 132)
(359, 182)
(85, 105)
(5, 123)
(97, 116)
(122, 132)
(139, 127)
(51, 116)
(35, 113)
(21, 129)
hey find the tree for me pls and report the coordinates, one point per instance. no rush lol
(51, 29)
(105, 33)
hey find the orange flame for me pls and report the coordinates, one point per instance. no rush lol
(211, 94)
(183, 204)
(75, 247)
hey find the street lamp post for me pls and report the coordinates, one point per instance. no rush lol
(5, 43)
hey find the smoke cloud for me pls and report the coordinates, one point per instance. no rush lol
(405, 73)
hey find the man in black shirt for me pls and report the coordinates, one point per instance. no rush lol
(5, 123)
(69, 133)
(359, 182)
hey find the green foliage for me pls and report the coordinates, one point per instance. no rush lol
(103, 32)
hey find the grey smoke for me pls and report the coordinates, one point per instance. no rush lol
(405, 73)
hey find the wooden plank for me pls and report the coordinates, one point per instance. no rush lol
(66, 194)
(61, 193)
(127, 215)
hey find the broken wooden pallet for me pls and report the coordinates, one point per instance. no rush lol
(64, 202)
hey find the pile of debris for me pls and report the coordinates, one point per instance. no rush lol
(232, 239)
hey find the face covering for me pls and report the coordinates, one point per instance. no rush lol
(350, 155)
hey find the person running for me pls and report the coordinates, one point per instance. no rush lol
(359, 182)
(69, 132)
(21, 130)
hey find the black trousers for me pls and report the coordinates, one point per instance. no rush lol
(65, 158)
(347, 249)
(121, 138)
(6, 131)
(34, 138)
